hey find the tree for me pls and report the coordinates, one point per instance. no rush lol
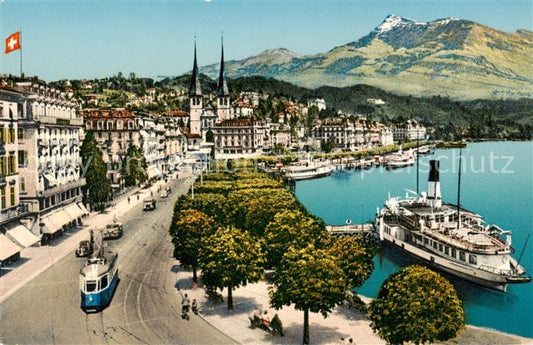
(310, 279)
(214, 205)
(291, 228)
(97, 189)
(187, 234)
(252, 209)
(416, 305)
(230, 258)
(354, 256)
(134, 167)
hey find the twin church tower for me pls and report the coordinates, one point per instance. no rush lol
(196, 112)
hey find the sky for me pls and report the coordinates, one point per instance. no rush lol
(90, 39)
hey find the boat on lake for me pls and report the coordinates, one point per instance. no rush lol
(401, 159)
(308, 169)
(449, 237)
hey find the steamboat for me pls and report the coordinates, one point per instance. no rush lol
(449, 237)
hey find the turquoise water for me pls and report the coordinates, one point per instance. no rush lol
(497, 183)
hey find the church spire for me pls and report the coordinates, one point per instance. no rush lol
(222, 86)
(195, 88)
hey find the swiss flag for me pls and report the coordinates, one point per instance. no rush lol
(13, 42)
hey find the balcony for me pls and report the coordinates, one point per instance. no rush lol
(62, 188)
(13, 213)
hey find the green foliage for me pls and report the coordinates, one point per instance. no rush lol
(327, 146)
(134, 167)
(253, 209)
(190, 227)
(354, 256)
(292, 228)
(97, 190)
(214, 205)
(416, 305)
(231, 258)
(224, 187)
(310, 279)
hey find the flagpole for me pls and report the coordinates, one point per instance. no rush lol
(20, 54)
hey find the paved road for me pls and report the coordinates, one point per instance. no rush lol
(144, 310)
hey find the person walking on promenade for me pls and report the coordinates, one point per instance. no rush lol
(128, 200)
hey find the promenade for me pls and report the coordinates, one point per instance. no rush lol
(35, 260)
(340, 325)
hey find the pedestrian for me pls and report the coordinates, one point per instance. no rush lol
(128, 200)
(265, 320)
(137, 196)
(152, 193)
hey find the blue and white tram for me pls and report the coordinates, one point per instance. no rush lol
(98, 281)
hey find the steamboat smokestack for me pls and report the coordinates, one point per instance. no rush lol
(434, 195)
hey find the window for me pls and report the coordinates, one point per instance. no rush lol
(3, 197)
(22, 184)
(3, 165)
(90, 286)
(2, 136)
(23, 159)
(441, 247)
(453, 252)
(14, 199)
(11, 165)
(20, 134)
(462, 256)
(472, 259)
(447, 250)
(435, 244)
(103, 282)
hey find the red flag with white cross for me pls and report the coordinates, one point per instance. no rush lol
(13, 42)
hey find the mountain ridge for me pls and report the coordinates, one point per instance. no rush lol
(452, 57)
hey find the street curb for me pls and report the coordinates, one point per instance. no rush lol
(56, 258)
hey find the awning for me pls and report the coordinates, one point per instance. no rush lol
(55, 221)
(22, 236)
(153, 172)
(83, 208)
(7, 248)
(73, 211)
(61, 218)
(48, 226)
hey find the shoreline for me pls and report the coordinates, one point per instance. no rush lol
(472, 334)
(342, 322)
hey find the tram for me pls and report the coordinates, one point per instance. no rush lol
(98, 279)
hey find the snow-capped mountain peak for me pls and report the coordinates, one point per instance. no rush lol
(392, 21)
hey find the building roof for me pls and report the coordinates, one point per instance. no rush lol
(242, 122)
(195, 89)
(176, 113)
(113, 113)
(222, 85)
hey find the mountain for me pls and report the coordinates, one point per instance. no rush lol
(450, 57)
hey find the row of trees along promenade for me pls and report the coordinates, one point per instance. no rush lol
(238, 225)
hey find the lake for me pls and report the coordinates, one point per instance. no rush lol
(497, 183)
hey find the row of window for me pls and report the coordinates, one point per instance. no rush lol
(450, 251)
(8, 165)
(12, 196)
(8, 135)
(58, 198)
(109, 136)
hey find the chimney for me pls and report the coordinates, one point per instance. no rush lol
(434, 196)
